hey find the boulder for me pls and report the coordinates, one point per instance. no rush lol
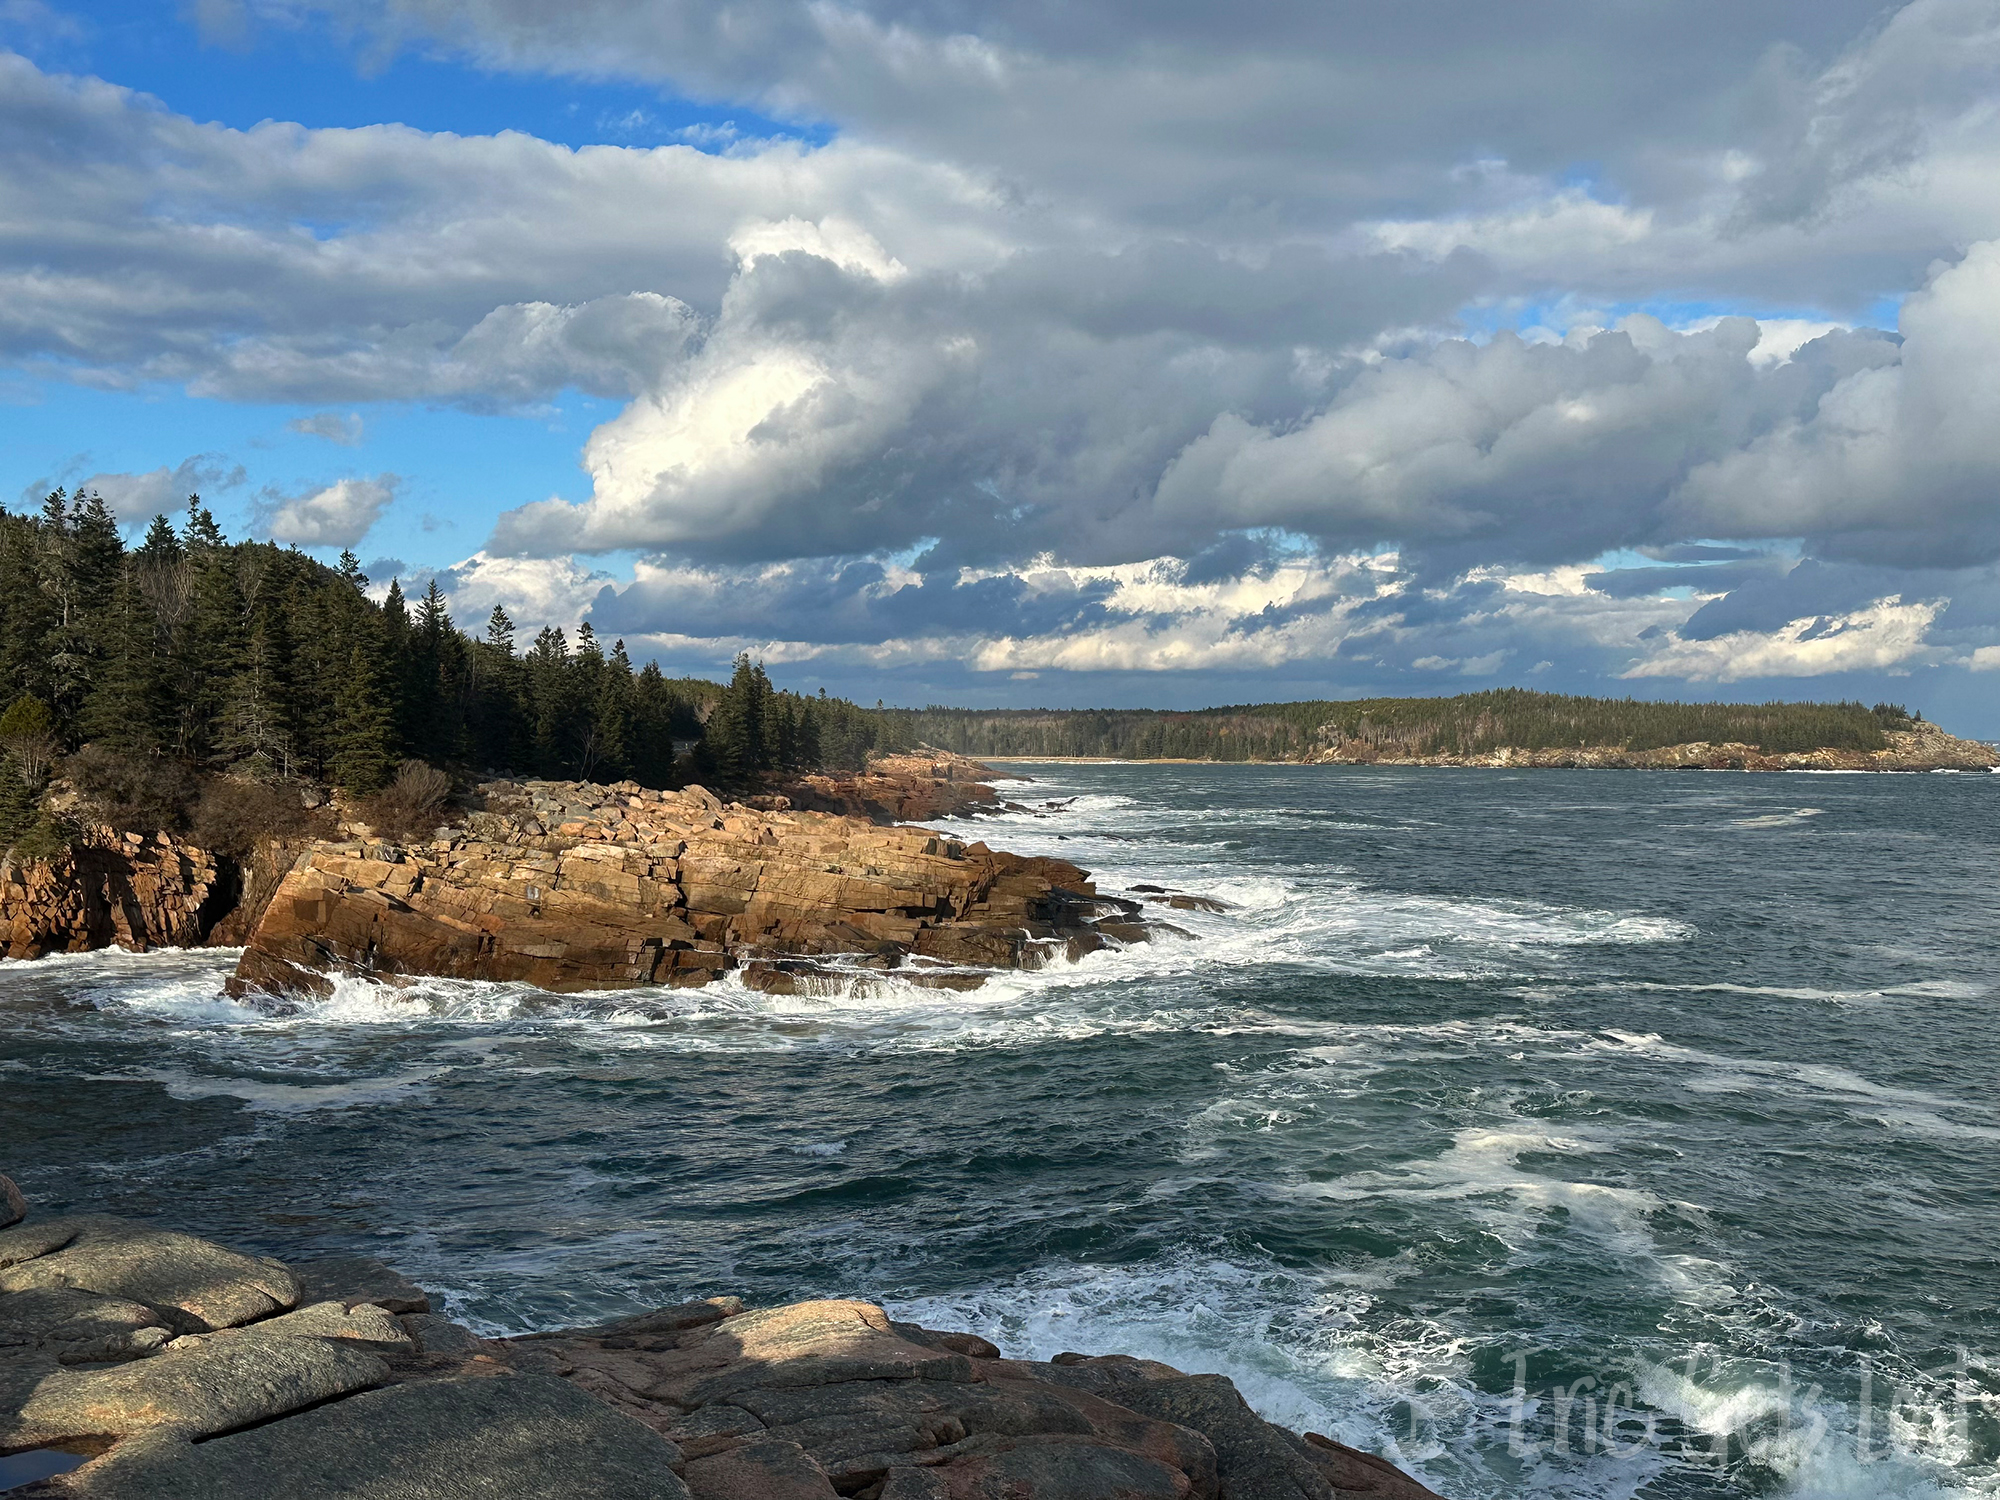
(345, 1397)
(62, 1325)
(436, 1334)
(13, 1207)
(1043, 1468)
(1253, 1459)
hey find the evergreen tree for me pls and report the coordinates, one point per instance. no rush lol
(550, 702)
(363, 756)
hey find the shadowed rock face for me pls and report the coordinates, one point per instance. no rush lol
(573, 886)
(706, 1400)
(136, 891)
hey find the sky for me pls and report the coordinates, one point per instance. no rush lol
(1156, 354)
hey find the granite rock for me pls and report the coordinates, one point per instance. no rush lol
(572, 886)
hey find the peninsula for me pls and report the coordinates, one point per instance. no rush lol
(1506, 727)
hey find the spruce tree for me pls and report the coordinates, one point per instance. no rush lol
(363, 754)
(551, 703)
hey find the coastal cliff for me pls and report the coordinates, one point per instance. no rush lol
(573, 886)
(109, 888)
(141, 1363)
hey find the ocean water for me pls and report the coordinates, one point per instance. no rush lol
(1569, 1133)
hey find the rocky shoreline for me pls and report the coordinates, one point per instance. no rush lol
(572, 886)
(142, 1363)
(624, 919)
(1922, 747)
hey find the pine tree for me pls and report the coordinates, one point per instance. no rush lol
(200, 533)
(362, 733)
(611, 719)
(551, 705)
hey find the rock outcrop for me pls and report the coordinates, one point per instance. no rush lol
(573, 886)
(1921, 747)
(132, 890)
(913, 788)
(248, 1370)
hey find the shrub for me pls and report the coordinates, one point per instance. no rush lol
(411, 805)
(138, 794)
(28, 731)
(233, 817)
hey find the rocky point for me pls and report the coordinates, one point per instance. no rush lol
(575, 886)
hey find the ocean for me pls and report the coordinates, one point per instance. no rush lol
(1591, 1134)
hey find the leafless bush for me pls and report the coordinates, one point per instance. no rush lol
(233, 817)
(411, 805)
(133, 793)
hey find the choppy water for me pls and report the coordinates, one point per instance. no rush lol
(1673, 1094)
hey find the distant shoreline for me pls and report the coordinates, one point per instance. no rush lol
(1916, 755)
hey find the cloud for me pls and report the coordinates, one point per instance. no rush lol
(1221, 393)
(163, 491)
(1887, 636)
(335, 428)
(338, 515)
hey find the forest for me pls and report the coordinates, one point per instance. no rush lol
(1469, 724)
(190, 656)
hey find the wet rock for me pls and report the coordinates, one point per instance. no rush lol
(352, 1279)
(13, 1207)
(195, 1284)
(525, 1437)
(969, 1344)
(676, 1319)
(1253, 1459)
(759, 1471)
(437, 1334)
(1352, 1472)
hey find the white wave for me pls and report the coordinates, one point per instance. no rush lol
(1812, 1080)
(1781, 820)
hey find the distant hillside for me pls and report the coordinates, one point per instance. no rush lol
(1472, 724)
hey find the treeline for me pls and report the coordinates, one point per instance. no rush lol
(261, 663)
(1470, 724)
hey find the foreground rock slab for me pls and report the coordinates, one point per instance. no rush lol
(572, 886)
(707, 1400)
(526, 1438)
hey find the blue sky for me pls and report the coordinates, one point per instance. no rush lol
(1059, 358)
